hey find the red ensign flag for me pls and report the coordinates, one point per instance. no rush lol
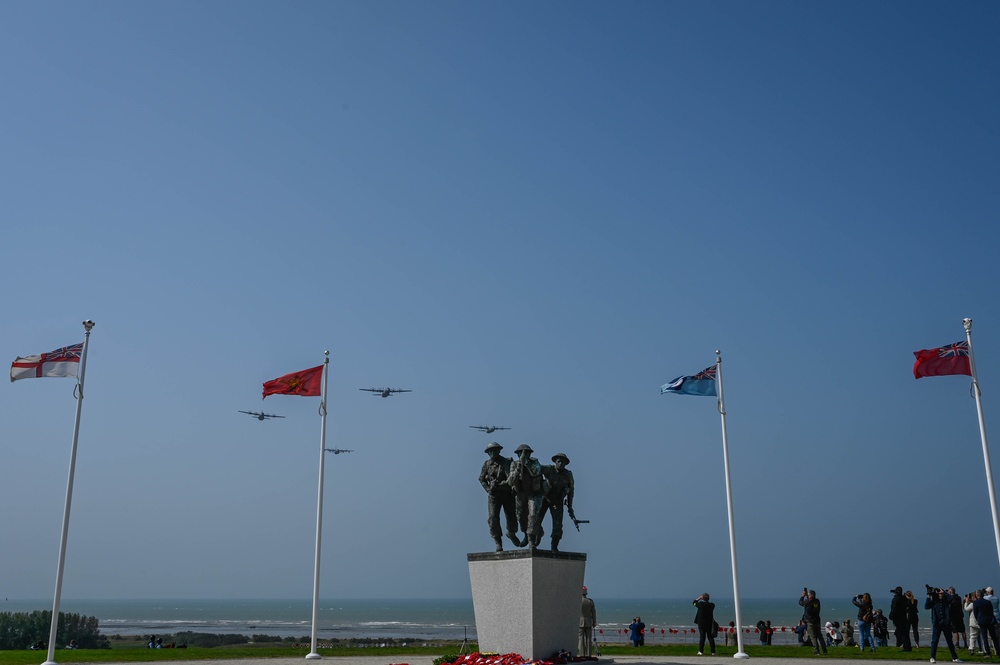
(951, 359)
(306, 383)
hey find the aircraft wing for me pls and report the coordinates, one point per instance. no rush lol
(479, 427)
(249, 413)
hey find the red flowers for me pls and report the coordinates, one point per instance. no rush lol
(509, 659)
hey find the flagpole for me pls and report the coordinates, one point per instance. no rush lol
(967, 323)
(88, 325)
(729, 503)
(313, 654)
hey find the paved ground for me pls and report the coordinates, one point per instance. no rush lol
(607, 660)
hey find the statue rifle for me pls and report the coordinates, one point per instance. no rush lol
(577, 522)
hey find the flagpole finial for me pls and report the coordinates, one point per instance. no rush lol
(968, 324)
(88, 325)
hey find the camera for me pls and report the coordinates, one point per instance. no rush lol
(932, 591)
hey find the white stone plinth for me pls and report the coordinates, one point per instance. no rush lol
(527, 602)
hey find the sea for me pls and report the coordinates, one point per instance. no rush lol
(419, 621)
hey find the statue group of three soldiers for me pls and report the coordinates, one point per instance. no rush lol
(525, 490)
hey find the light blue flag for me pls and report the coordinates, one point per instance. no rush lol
(702, 383)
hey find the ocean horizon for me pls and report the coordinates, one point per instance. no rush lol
(420, 620)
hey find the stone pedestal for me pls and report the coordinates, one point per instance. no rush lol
(527, 602)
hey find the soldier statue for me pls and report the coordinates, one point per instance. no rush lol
(530, 487)
(499, 495)
(559, 492)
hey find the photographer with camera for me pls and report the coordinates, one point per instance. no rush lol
(704, 618)
(810, 614)
(866, 615)
(939, 603)
(898, 616)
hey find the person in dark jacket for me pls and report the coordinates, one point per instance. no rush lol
(983, 609)
(866, 617)
(810, 613)
(880, 629)
(704, 618)
(958, 620)
(898, 616)
(913, 617)
(939, 603)
(637, 632)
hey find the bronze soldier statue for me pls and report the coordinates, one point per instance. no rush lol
(530, 487)
(559, 492)
(499, 495)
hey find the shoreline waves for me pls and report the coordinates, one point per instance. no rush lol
(417, 619)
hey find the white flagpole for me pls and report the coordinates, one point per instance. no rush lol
(313, 654)
(729, 503)
(982, 434)
(78, 391)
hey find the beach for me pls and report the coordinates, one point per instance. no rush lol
(417, 620)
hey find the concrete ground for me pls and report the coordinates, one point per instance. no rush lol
(607, 660)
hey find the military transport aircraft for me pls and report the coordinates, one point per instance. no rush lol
(260, 416)
(489, 429)
(385, 392)
(337, 451)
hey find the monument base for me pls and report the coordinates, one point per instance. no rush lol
(527, 602)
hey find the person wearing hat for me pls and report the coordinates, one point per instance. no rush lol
(559, 493)
(588, 620)
(994, 601)
(529, 487)
(898, 616)
(499, 496)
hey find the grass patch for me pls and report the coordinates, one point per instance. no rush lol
(922, 654)
(135, 651)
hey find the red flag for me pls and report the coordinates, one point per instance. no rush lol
(305, 383)
(951, 359)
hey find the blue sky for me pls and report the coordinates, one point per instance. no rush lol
(531, 215)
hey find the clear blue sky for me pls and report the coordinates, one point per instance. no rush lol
(532, 215)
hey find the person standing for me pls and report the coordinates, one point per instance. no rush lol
(993, 601)
(866, 616)
(957, 619)
(588, 620)
(973, 637)
(983, 610)
(637, 632)
(880, 629)
(898, 616)
(810, 613)
(939, 603)
(499, 496)
(913, 617)
(731, 640)
(559, 493)
(704, 618)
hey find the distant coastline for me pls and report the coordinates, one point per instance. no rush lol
(416, 619)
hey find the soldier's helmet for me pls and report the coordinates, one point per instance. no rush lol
(561, 456)
(523, 447)
(493, 446)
